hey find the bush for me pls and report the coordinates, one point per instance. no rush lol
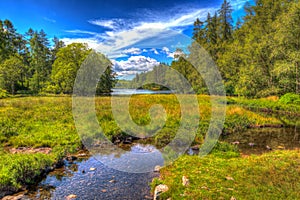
(3, 94)
(290, 98)
(17, 170)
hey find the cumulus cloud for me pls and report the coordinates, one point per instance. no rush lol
(170, 54)
(134, 65)
(166, 50)
(154, 51)
(92, 42)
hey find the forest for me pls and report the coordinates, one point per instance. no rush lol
(258, 56)
(31, 64)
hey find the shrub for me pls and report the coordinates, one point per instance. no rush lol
(20, 169)
(290, 98)
(3, 94)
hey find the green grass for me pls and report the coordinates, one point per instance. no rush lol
(48, 122)
(22, 169)
(274, 175)
(269, 104)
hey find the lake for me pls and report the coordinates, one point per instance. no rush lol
(138, 91)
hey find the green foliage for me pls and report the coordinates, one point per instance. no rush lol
(284, 105)
(40, 63)
(29, 64)
(257, 58)
(67, 63)
(3, 93)
(22, 169)
(290, 98)
(11, 72)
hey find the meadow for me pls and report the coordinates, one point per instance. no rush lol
(47, 122)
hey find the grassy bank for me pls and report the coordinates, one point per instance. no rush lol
(273, 175)
(48, 122)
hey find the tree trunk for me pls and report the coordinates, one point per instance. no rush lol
(297, 78)
(13, 88)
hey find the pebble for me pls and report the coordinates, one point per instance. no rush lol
(228, 178)
(160, 189)
(18, 197)
(157, 168)
(185, 181)
(71, 196)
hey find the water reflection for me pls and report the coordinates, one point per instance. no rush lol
(138, 91)
(261, 140)
(140, 158)
(90, 179)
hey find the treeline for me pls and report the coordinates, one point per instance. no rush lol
(30, 63)
(258, 56)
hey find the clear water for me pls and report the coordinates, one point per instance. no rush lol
(102, 183)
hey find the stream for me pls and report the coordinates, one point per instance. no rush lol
(88, 178)
(262, 140)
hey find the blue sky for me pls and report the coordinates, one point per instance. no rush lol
(135, 34)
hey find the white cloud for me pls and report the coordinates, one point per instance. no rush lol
(127, 37)
(110, 23)
(125, 34)
(170, 54)
(238, 4)
(81, 32)
(103, 23)
(134, 64)
(154, 51)
(133, 50)
(49, 20)
(92, 42)
(165, 49)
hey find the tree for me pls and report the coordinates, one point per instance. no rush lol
(212, 36)
(287, 49)
(40, 62)
(225, 20)
(10, 41)
(199, 32)
(57, 45)
(107, 81)
(65, 67)
(11, 71)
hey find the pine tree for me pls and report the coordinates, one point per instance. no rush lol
(225, 21)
